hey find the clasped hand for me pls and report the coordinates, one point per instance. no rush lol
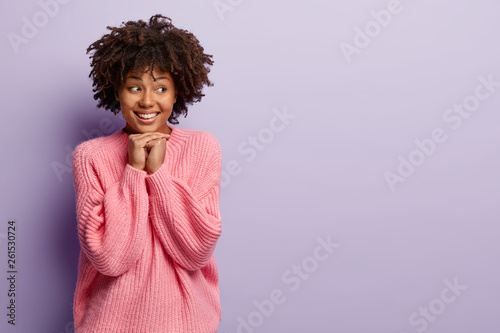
(146, 151)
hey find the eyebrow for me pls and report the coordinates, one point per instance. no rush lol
(156, 79)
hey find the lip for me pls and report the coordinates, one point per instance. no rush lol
(146, 121)
(146, 112)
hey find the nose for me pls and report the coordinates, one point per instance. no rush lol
(147, 99)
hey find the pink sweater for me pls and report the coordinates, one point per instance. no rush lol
(146, 262)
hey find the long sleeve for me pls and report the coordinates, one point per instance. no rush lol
(146, 261)
(187, 220)
(112, 222)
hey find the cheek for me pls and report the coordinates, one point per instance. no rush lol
(127, 104)
(169, 101)
(126, 107)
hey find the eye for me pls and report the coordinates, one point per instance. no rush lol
(134, 89)
(162, 89)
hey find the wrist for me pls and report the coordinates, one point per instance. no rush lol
(151, 171)
(138, 167)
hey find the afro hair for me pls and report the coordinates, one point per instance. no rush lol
(138, 45)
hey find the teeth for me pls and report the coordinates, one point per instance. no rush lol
(147, 116)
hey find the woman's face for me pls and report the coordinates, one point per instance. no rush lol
(141, 95)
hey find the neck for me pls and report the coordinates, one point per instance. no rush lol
(165, 130)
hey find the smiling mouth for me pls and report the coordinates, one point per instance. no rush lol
(147, 115)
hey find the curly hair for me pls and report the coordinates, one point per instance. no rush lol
(138, 45)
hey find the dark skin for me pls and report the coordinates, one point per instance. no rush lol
(140, 44)
(146, 151)
(141, 93)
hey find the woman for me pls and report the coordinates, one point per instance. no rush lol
(147, 196)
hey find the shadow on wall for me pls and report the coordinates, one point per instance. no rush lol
(88, 122)
(67, 250)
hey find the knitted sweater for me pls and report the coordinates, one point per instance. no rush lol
(146, 262)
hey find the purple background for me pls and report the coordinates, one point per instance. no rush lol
(321, 175)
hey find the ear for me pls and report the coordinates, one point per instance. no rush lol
(116, 96)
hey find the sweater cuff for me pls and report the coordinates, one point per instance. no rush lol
(133, 177)
(159, 181)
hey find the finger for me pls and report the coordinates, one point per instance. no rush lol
(141, 140)
(146, 138)
(154, 142)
